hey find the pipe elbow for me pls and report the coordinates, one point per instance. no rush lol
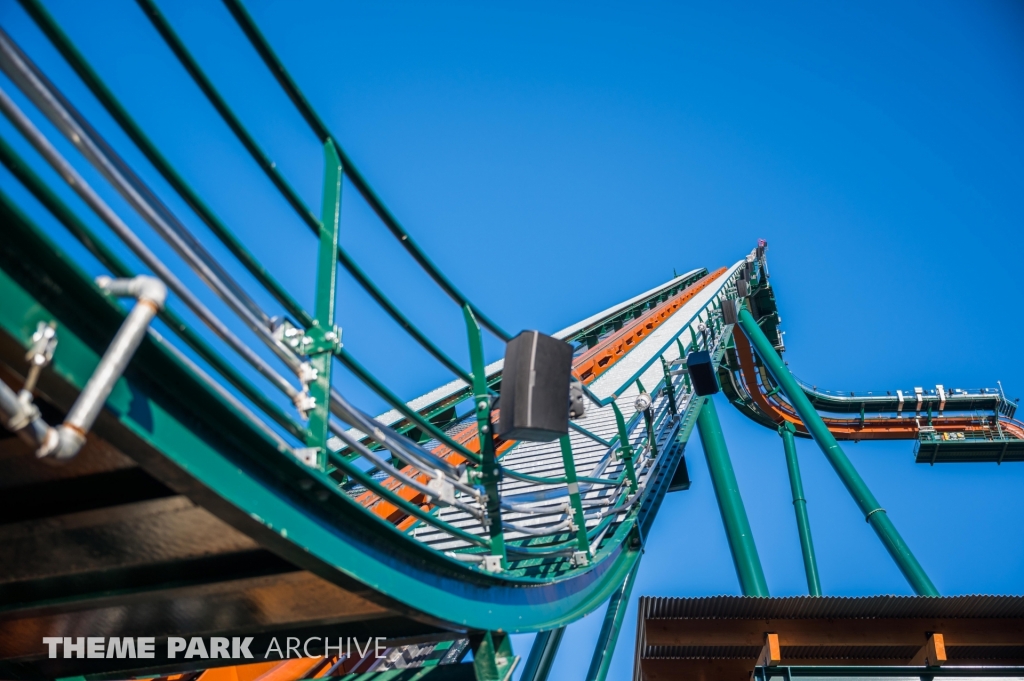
(142, 287)
(61, 444)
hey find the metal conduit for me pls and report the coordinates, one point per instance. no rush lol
(60, 112)
(65, 441)
(100, 207)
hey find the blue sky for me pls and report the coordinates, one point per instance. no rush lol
(556, 160)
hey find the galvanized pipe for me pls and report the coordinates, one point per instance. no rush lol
(803, 523)
(730, 503)
(74, 180)
(21, 417)
(873, 512)
(95, 149)
(65, 441)
(542, 655)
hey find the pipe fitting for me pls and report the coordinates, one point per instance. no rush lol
(65, 441)
(141, 288)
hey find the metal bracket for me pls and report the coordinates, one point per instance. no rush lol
(317, 340)
(312, 341)
(307, 455)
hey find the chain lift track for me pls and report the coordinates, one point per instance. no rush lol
(217, 482)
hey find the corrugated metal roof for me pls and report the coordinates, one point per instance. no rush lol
(809, 607)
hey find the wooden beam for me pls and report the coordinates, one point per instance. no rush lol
(932, 653)
(771, 653)
(835, 632)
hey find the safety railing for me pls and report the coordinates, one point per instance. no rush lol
(452, 479)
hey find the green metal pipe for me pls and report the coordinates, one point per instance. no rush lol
(542, 655)
(291, 88)
(730, 503)
(873, 513)
(803, 523)
(60, 40)
(613, 616)
(270, 169)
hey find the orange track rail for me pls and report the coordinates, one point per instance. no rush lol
(587, 367)
(903, 428)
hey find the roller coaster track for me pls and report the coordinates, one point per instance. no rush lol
(225, 486)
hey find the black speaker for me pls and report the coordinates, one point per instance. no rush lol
(702, 373)
(535, 388)
(741, 288)
(729, 313)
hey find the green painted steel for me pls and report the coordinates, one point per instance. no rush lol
(291, 88)
(625, 449)
(490, 473)
(67, 49)
(233, 468)
(604, 649)
(730, 503)
(324, 334)
(542, 655)
(869, 506)
(493, 659)
(582, 542)
(803, 523)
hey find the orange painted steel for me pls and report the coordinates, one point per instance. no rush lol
(872, 428)
(587, 367)
(605, 354)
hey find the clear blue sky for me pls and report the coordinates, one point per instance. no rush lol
(556, 160)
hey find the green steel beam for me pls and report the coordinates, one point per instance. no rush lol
(613, 616)
(873, 513)
(323, 333)
(569, 463)
(185, 434)
(803, 523)
(730, 503)
(316, 124)
(60, 40)
(490, 473)
(542, 655)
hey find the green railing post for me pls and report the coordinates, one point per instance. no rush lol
(324, 337)
(730, 503)
(670, 389)
(873, 513)
(490, 474)
(610, 628)
(648, 422)
(542, 655)
(803, 524)
(624, 447)
(574, 496)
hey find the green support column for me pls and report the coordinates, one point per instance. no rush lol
(493, 659)
(873, 513)
(542, 655)
(324, 337)
(803, 524)
(730, 504)
(609, 635)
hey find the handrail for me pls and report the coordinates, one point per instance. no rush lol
(288, 84)
(607, 498)
(88, 238)
(269, 168)
(56, 35)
